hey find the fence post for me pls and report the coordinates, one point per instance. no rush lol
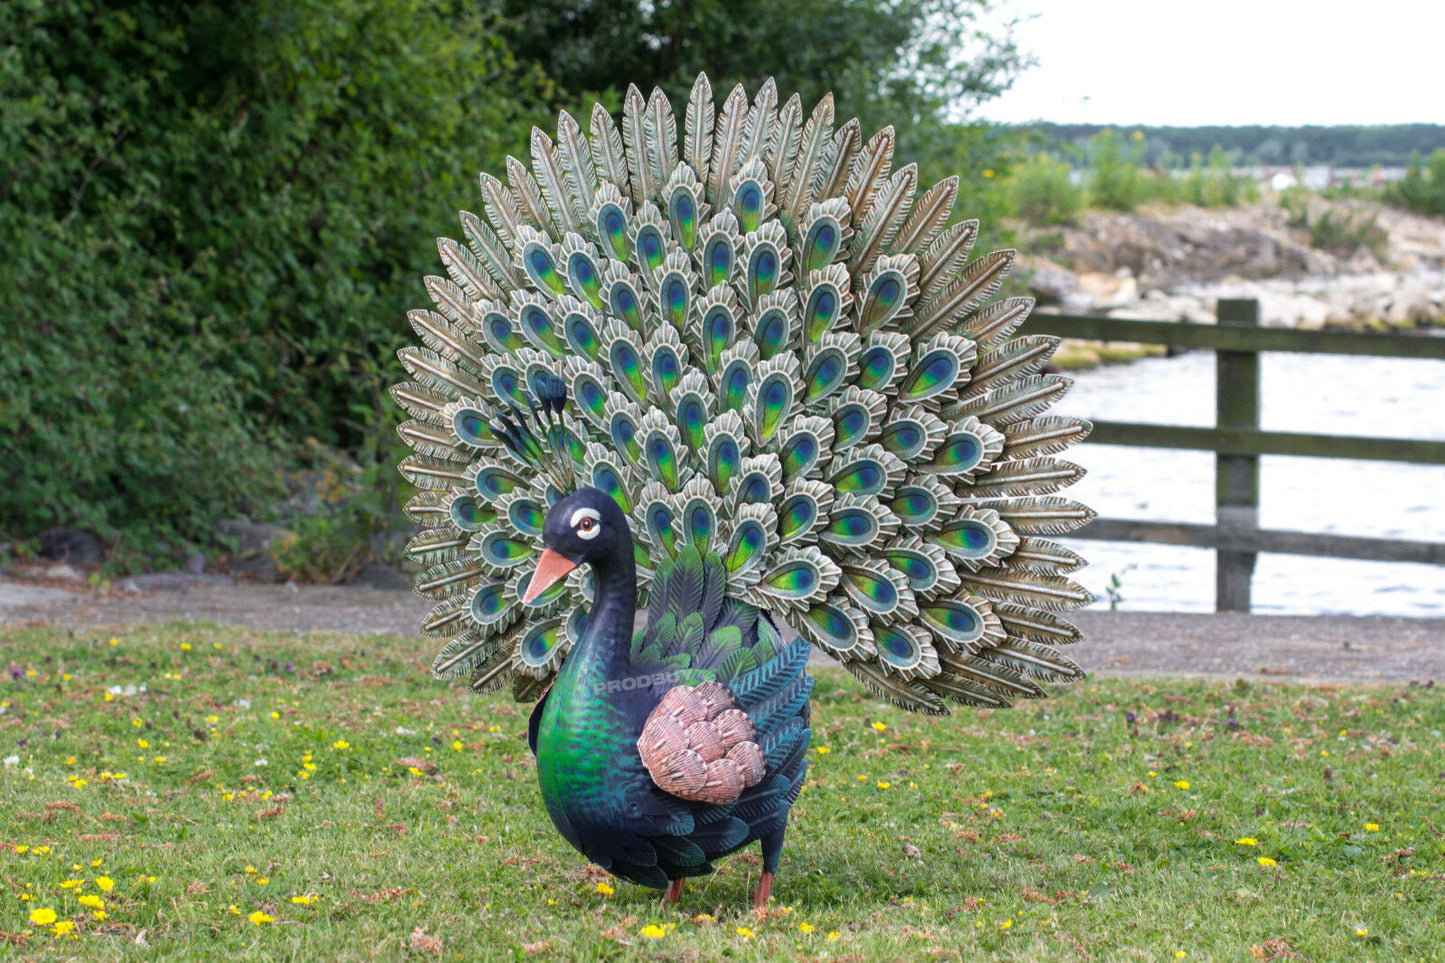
(1236, 477)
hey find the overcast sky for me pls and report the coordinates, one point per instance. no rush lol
(1229, 62)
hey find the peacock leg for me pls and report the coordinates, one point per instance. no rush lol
(674, 891)
(772, 845)
(760, 895)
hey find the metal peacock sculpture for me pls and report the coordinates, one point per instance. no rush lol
(792, 410)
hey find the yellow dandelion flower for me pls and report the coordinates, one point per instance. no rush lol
(1181, 784)
(745, 933)
(1361, 931)
(879, 727)
(457, 745)
(653, 932)
(115, 641)
(259, 917)
(306, 899)
(185, 646)
(99, 914)
(262, 880)
(64, 927)
(805, 928)
(1266, 861)
(833, 936)
(823, 750)
(92, 901)
(414, 770)
(341, 744)
(884, 785)
(143, 744)
(97, 861)
(1372, 827)
(105, 883)
(1005, 924)
(1247, 841)
(42, 917)
(275, 714)
(72, 884)
(988, 172)
(604, 889)
(1180, 954)
(160, 758)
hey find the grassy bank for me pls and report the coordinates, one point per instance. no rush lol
(177, 793)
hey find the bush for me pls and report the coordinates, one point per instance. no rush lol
(1117, 183)
(1217, 185)
(1422, 189)
(214, 219)
(1042, 191)
(1335, 229)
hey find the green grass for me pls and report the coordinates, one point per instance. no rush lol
(1060, 830)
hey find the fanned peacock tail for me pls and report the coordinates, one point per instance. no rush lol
(778, 350)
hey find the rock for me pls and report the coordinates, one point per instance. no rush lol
(195, 563)
(168, 582)
(63, 573)
(1049, 283)
(70, 545)
(376, 576)
(253, 543)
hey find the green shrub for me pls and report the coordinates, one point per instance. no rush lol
(1117, 183)
(1338, 230)
(214, 218)
(1042, 191)
(1217, 185)
(1422, 189)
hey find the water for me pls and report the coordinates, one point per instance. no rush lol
(1387, 397)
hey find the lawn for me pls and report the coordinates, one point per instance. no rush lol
(194, 793)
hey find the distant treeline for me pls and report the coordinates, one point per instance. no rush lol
(1389, 145)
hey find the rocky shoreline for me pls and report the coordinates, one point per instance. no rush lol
(1174, 264)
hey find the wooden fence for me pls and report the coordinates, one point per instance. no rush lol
(1237, 440)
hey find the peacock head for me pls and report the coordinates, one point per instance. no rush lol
(586, 526)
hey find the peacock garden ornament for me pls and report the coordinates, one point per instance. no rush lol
(758, 385)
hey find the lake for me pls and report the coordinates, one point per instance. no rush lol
(1385, 397)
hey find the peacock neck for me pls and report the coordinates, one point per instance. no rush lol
(605, 641)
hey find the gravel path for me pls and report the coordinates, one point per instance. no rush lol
(1325, 648)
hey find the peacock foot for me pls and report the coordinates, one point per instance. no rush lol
(674, 891)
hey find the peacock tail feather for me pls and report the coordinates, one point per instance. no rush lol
(780, 352)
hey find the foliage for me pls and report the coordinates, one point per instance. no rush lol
(1344, 145)
(283, 797)
(216, 216)
(1042, 191)
(1337, 228)
(1422, 189)
(903, 62)
(1217, 185)
(1115, 182)
(120, 413)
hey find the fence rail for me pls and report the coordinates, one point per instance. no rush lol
(1237, 440)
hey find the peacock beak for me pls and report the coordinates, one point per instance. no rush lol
(551, 568)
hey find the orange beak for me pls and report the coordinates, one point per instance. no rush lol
(551, 568)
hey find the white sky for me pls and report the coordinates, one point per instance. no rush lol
(1229, 62)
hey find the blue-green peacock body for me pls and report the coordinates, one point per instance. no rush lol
(790, 404)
